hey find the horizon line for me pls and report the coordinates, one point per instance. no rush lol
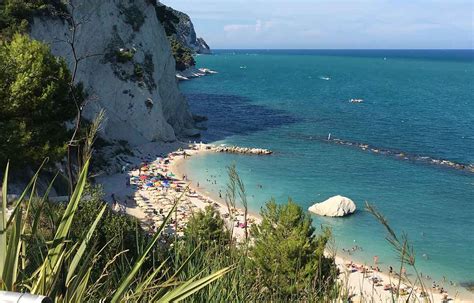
(443, 49)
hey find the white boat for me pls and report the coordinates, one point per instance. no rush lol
(356, 100)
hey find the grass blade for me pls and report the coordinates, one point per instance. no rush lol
(190, 287)
(3, 222)
(82, 248)
(127, 281)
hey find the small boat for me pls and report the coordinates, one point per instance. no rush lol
(356, 100)
(325, 78)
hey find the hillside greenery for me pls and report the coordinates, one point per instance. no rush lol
(183, 55)
(35, 102)
(56, 251)
(287, 255)
(16, 15)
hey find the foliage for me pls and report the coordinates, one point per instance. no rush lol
(60, 266)
(16, 15)
(35, 102)
(138, 71)
(124, 56)
(286, 253)
(115, 233)
(182, 55)
(206, 227)
(167, 18)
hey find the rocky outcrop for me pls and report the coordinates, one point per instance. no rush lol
(127, 68)
(193, 72)
(203, 47)
(242, 150)
(232, 149)
(337, 206)
(184, 31)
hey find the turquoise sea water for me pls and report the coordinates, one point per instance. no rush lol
(419, 103)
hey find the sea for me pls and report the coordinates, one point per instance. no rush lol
(405, 148)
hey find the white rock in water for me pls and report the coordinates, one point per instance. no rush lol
(337, 206)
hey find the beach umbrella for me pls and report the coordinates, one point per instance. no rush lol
(149, 184)
(143, 177)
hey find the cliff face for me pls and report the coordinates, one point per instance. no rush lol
(127, 68)
(182, 29)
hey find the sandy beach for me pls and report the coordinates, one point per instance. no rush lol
(149, 185)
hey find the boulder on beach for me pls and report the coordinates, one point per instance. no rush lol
(337, 206)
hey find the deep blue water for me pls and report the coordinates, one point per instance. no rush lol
(418, 103)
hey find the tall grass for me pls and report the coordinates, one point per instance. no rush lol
(62, 267)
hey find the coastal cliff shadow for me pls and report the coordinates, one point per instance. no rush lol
(229, 115)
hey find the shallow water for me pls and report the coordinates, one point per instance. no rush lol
(419, 103)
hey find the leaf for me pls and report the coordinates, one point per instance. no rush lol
(127, 281)
(3, 222)
(13, 251)
(190, 287)
(82, 248)
(48, 273)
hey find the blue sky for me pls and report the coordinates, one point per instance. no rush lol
(331, 23)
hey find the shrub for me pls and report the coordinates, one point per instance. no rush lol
(49, 260)
(138, 71)
(206, 227)
(35, 102)
(15, 15)
(182, 55)
(124, 55)
(287, 257)
(167, 18)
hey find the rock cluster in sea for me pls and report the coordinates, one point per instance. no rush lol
(242, 150)
(337, 206)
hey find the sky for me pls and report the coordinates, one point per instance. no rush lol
(332, 24)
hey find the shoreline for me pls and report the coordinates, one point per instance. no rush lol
(144, 204)
(356, 279)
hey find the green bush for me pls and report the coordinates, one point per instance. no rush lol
(35, 102)
(124, 56)
(183, 56)
(284, 262)
(56, 251)
(167, 18)
(287, 256)
(15, 15)
(206, 227)
(138, 71)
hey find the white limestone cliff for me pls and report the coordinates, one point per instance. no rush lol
(129, 70)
